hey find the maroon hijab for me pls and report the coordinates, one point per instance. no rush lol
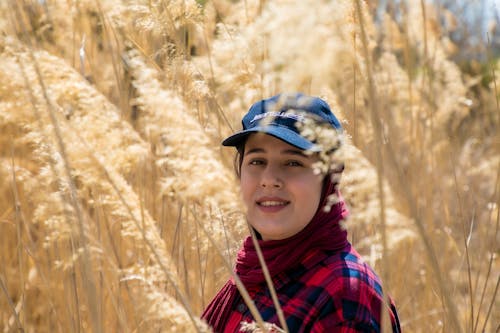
(323, 232)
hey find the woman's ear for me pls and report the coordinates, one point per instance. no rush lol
(238, 160)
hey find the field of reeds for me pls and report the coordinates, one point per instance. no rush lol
(120, 212)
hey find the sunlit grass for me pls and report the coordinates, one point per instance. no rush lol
(119, 211)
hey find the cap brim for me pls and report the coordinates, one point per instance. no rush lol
(282, 133)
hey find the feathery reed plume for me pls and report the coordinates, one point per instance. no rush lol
(162, 113)
(191, 171)
(318, 55)
(358, 186)
(108, 200)
(13, 229)
(254, 328)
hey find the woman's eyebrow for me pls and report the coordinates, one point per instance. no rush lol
(254, 150)
(295, 152)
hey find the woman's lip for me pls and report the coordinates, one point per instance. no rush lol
(271, 204)
(271, 200)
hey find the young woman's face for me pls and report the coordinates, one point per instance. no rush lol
(278, 186)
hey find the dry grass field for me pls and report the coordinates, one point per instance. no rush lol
(120, 212)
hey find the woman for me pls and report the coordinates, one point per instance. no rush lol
(321, 282)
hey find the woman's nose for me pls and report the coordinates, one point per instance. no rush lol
(271, 178)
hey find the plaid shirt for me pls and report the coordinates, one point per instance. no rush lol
(326, 292)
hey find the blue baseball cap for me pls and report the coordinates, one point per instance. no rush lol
(278, 116)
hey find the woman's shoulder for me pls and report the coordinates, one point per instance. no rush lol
(345, 273)
(325, 274)
(354, 294)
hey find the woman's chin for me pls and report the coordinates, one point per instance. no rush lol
(272, 234)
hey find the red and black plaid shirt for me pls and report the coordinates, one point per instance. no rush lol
(326, 292)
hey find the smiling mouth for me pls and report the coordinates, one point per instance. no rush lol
(271, 203)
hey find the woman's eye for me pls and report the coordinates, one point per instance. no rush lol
(256, 162)
(294, 163)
